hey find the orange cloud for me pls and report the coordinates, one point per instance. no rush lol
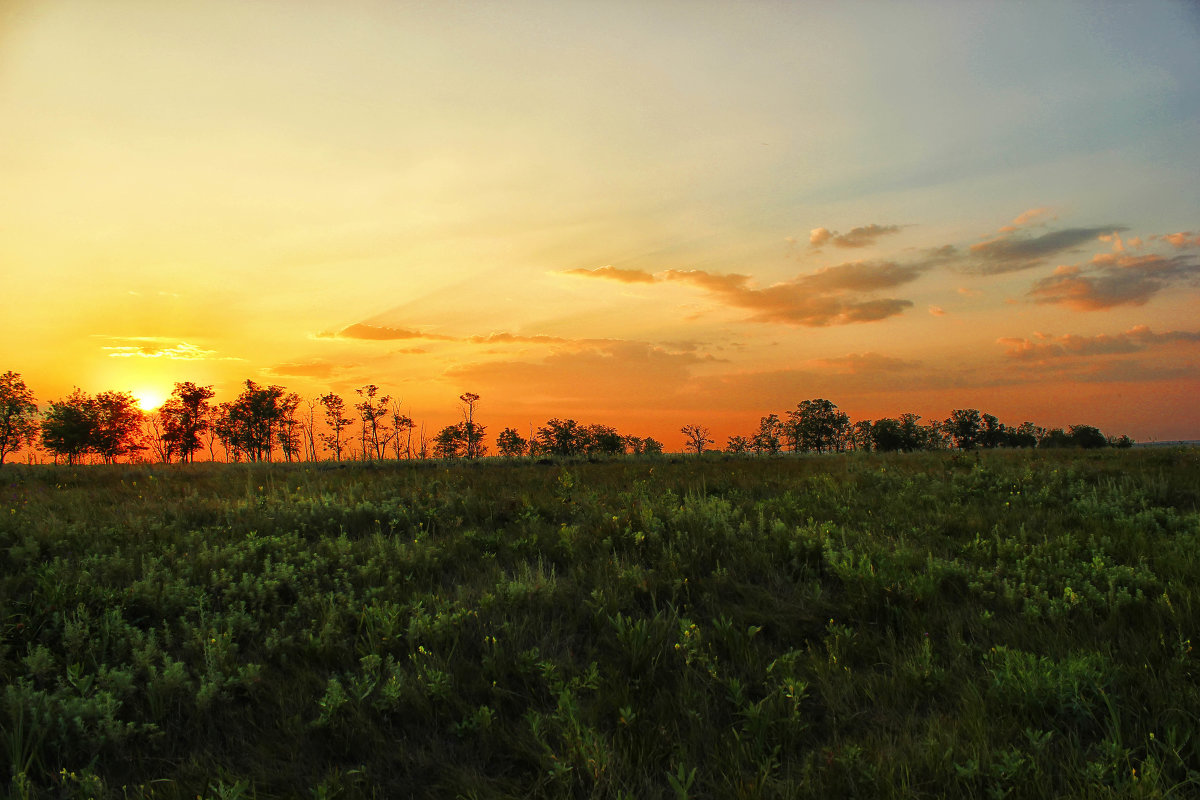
(1134, 340)
(1124, 280)
(856, 237)
(937, 311)
(613, 274)
(863, 364)
(1182, 239)
(1024, 218)
(826, 297)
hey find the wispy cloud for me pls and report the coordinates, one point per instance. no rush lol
(1125, 280)
(829, 297)
(863, 364)
(1135, 340)
(158, 347)
(613, 274)
(863, 236)
(1025, 218)
(1012, 253)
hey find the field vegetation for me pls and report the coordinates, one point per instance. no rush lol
(988, 624)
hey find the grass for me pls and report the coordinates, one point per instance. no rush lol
(1012, 624)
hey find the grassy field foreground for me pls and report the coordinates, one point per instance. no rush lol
(1011, 624)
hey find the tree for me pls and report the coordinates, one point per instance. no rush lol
(251, 422)
(288, 430)
(117, 425)
(449, 442)
(336, 419)
(766, 439)
(887, 435)
(604, 440)
(697, 436)
(817, 425)
(652, 446)
(737, 444)
(185, 416)
(965, 427)
(511, 444)
(474, 436)
(67, 427)
(861, 434)
(371, 411)
(561, 438)
(1087, 437)
(993, 434)
(18, 414)
(402, 424)
(109, 425)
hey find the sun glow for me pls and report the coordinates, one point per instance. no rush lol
(149, 399)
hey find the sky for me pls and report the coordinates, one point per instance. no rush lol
(641, 214)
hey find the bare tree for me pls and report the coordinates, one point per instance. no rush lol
(473, 436)
(697, 437)
(335, 416)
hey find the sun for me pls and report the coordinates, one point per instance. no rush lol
(149, 399)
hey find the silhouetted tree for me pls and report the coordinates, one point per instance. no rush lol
(651, 447)
(402, 428)
(511, 444)
(371, 411)
(1024, 435)
(473, 435)
(766, 439)
(288, 430)
(117, 425)
(697, 437)
(965, 427)
(67, 427)
(185, 416)
(861, 437)
(993, 433)
(604, 440)
(737, 444)
(817, 425)
(1054, 438)
(337, 421)
(1122, 441)
(887, 435)
(1087, 437)
(561, 438)
(252, 421)
(449, 442)
(18, 414)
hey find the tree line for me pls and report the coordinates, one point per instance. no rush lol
(818, 426)
(266, 423)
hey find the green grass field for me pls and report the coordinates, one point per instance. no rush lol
(1012, 624)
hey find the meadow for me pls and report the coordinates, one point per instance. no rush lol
(945, 624)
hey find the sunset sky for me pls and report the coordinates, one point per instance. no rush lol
(643, 214)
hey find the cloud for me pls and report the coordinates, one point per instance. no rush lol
(316, 368)
(1182, 239)
(1024, 218)
(1012, 253)
(1125, 280)
(830, 296)
(864, 236)
(864, 364)
(937, 311)
(613, 274)
(158, 347)
(378, 333)
(1135, 340)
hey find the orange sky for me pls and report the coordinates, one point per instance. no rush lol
(643, 215)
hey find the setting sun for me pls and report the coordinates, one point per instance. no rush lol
(149, 399)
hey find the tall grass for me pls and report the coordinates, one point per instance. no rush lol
(1008, 624)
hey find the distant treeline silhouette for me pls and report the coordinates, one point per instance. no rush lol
(266, 422)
